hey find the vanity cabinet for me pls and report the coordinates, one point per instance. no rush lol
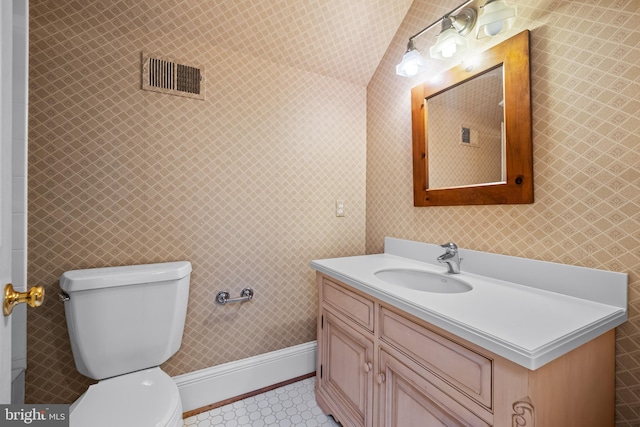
(344, 382)
(347, 374)
(380, 366)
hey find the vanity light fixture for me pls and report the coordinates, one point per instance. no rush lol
(495, 18)
(412, 62)
(451, 39)
(450, 42)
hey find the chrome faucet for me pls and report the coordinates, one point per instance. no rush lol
(451, 258)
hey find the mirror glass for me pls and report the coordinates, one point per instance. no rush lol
(465, 133)
(471, 128)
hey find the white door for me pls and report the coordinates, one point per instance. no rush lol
(6, 53)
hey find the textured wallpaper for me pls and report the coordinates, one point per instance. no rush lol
(586, 136)
(242, 184)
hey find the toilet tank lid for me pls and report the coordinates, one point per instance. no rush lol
(96, 278)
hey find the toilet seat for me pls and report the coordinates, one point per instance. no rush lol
(147, 398)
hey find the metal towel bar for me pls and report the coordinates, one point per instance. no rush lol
(223, 297)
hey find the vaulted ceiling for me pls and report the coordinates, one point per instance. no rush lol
(344, 39)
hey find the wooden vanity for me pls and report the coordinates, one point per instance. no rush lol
(380, 366)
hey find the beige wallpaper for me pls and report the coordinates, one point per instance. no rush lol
(585, 87)
(242, 184)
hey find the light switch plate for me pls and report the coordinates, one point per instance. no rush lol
(339, 208)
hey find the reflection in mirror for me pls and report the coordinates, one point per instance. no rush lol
(475, 149)
(465, 133)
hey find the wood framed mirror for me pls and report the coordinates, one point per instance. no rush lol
(460, 177)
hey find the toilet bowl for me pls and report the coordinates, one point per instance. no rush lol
(123, 323)
(145, 398)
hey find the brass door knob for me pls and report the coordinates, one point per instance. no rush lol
(34, 297)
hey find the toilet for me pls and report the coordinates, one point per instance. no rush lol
(124, 322)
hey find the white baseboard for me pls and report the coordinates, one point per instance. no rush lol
(218, 383)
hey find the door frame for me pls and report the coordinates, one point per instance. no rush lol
(14, 41)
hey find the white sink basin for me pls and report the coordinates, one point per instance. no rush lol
(421, 280)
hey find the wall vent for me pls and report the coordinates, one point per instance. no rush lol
(161, 74)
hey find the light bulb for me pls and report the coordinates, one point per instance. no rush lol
(449, 48)
(493, 28)
(410, 69)
(448, 44)
(496, 17)
(412, 63)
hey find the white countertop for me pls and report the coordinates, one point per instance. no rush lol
(525, 324)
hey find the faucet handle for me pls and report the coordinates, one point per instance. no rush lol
(450, 246)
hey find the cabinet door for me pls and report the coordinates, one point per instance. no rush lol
(461, 372)
(409, 400)
(346, 370)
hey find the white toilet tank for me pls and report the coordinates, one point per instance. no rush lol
(124, 319)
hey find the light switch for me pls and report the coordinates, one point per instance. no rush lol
(339, 207)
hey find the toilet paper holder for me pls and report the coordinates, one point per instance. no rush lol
(224, 297)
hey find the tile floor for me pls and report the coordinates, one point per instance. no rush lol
(293, 405)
